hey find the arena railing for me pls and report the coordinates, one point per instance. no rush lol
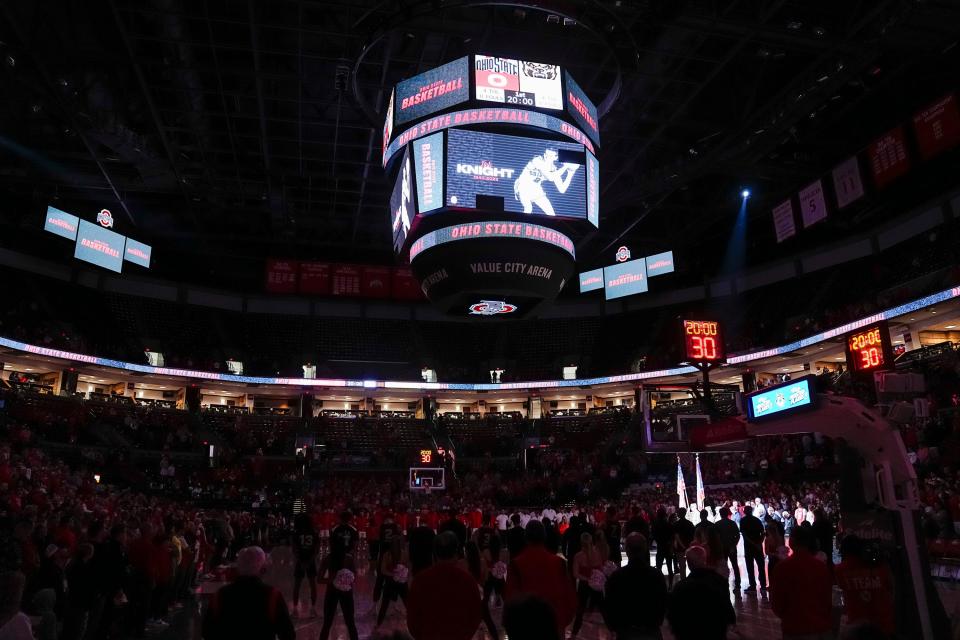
(889, 314)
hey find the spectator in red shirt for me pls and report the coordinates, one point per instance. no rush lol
(867, 587)
(538, 572)
(801, 591)
(444, 601)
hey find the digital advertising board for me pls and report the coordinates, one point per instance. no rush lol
(518, 83)
(540, 177)
(593, 190)
(579, 106)
(785, 398)
(591, 280)
(432, 91)
(388, 124)
(428, 165)
(137, 253)
(625, 279)
(660, 264)
(99, 246)
(61, 223)
(401, 203)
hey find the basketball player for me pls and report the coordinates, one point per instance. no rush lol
(306, 546)
(528, 188)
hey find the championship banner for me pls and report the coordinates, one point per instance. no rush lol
(888, 157)
(404, 285)
(346, 280)
(938, 127)
(375, 282)
(281, 276)
(314, 278)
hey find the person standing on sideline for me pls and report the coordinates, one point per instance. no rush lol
(774, 546)
(867, 585)
(444, 600)
(729, 538)
(248, 608)
(699, 607)
(801, 591)
(306, 545)
(339, 570)
(662, 532)
(752, 530)
(684, 532)
(586, 564)
(538, 572)
(636, 595)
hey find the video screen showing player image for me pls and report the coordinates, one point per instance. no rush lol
(544, 177)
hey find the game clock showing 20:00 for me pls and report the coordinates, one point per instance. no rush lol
(703, 341)
(869, 349)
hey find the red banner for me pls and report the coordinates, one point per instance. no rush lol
(938, 127)
(888, 157)
(375, 282)
(405, 286)
(722, 431)
(346, 280)
(315, 278)
(281, 276)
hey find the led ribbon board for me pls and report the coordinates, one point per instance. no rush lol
(497, 115)
(783, 399)
(61, 223)
(491, 229)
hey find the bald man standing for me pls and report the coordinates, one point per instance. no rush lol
(248, 608)
(636, 595)
(699, 607)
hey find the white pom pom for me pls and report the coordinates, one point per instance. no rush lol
(401, 574)
(344, 580)
(597, 580)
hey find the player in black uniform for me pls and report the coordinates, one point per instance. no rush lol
(344, 536)
(306, 545)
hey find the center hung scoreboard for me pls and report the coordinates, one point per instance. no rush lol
(495, 174)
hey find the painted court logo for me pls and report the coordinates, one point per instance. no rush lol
(491, 308)
(105, 218)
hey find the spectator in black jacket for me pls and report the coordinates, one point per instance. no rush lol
(662, 532)
(457, 528)
(753, 534)
(730, 537)
(684, 531)
(635, 600)
(248, 608)
(516, 537)
(699, 607)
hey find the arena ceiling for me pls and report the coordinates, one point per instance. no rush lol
(232, 126)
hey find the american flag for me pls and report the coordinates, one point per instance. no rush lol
(682, 487)
(701, 494)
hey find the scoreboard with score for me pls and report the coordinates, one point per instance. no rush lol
(703, 341)
(870, 349)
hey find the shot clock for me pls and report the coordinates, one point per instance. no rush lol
(703, 341)
(869, 349)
